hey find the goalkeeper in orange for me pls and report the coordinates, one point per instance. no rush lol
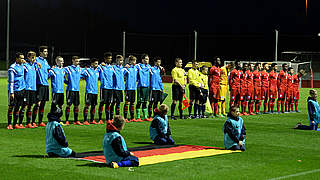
(224, 88)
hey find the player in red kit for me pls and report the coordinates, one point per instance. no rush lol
(289, 96)
(296, 81)
(257, 87)
(234, 85)
(243, 89)
(282, 87)
(250, 92)
(214, 84)
(265, 86)
(273, 87)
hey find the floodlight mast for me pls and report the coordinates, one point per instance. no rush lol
(8, 32)
(195, 44)
(124, 44)
(276, 46)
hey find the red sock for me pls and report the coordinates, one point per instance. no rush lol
(215, 108)
(286, 105)
(251, 106)
(265, 103)
(282, 106)
(278, 105)
(296, 103)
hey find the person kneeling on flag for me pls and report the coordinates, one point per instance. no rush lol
(115, 148)
(159, 130)
(234, 130)
(56, 142)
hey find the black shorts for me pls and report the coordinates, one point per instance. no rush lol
(18, 100)
(204, 96)
(42, 92)
(117, 96)
(57, 99)
(155, 96)
(194, 92)
(31, 97)
(106, 96)
(91, 99)
(177, 92)
(130, 96)
(73, 98)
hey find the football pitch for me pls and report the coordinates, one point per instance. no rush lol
(273, 149)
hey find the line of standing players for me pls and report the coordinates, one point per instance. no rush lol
(251, 84)
(28, 87)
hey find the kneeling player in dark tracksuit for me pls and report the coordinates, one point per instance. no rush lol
(313, 112)
(56, 142)
(115, 148)
(234, 130)
(159, 130)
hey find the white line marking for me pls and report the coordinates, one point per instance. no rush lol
(298, 174)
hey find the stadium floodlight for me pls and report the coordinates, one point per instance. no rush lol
(195, 44)
(276, 46)
(124, 44)
(8, 32)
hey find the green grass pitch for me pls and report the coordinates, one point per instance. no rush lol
(274, 149)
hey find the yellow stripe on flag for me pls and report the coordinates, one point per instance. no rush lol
(178, 156)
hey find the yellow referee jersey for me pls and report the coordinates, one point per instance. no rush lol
(223, 76)
(204, 80)
(178, 74)
(194, 77)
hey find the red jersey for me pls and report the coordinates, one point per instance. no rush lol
(265, 79)
(296, 81)
(214, 76)
(234, 78)
(243, 80)
(282, 80)
(290, 82)
(256, 79)
(273, 79)
(249, 80)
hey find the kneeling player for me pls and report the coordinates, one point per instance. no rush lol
(91, 75)
(115, 148)
(159, 130)
(234, 130)
(56, 142)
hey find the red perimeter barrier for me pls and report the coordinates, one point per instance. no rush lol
(307, 83)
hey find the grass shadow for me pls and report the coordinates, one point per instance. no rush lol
(32, 156)
(143, 142)
(94, 164)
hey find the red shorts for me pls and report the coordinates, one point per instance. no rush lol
(273, 93)
(296, 95)
(250, 94)
(289, 95)
(214, 92)
(257, 93)
(234, 93)
(282, 93)
(243, 94)
(264, 93)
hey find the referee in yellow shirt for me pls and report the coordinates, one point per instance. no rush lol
(194, 88)
(179, 81)
(223, 88)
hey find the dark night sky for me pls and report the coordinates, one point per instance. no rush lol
(229, 28)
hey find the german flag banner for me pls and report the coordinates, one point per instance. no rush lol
(153, 154)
